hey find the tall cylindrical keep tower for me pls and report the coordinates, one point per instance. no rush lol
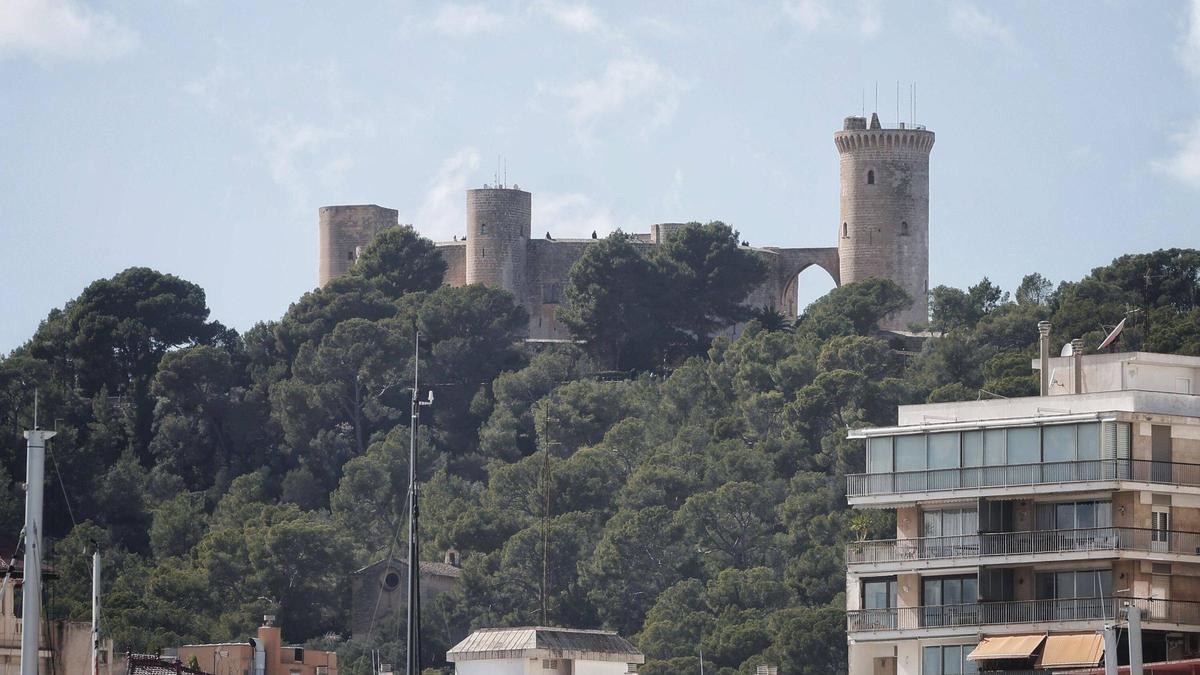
(884, 229)
(498, 224)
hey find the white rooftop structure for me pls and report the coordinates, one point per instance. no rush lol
(542, 651)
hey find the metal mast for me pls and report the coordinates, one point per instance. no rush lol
(413, 642)
(96, 613)
(31, 592)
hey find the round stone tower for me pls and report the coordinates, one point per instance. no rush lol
(498, 224)
(344, 232)
(884, 229)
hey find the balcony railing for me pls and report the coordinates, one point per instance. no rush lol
(932, 480)
(1017, 612)
(1021, 543)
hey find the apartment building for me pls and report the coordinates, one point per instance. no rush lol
(1024, 525)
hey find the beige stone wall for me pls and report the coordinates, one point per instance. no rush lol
(455, 255)
(343, 230)
(884, 226)
(498, 231)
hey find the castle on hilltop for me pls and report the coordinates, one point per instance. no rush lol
(883, 233)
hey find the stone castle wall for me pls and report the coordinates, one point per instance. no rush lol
(344, 230)
(498, 225)
(884, 231)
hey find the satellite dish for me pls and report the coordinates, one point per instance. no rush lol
(1067, 350)
(1112, 336)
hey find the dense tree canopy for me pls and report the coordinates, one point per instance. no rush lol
(697, 501)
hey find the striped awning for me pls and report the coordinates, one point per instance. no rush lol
(1072, 651)
(1006, 647)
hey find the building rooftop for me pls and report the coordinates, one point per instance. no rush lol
(545, 642)
(440, 569)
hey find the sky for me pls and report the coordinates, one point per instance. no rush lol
(199, 137)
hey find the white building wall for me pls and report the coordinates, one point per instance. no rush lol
(863, 655)
(908, 658)
(600, 668)
(498, 667)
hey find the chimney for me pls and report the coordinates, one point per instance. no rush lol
(1077, 364)
(1044, 355)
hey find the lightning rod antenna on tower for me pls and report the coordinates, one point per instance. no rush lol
(897, 102)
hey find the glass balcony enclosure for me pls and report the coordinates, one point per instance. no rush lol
(992, 447)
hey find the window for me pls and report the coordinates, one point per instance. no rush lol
(349, 255)
(948, 591)
(1160, 524)
(948, 601)
(943, 451)
(879, 455)
(871, 177)
(483, 228)
(391, 580)
(879, 593)
(1058, 443)
(1073, 584)
(904, 228)
(1072, 515)
(949, 523)
(910, 452)
(845, 231)
(948, 660)
(1024, 445)
(1089, 440)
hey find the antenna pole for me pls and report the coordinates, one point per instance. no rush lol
(31, 591)
(96, 613)
(546, 523)
(413, 642)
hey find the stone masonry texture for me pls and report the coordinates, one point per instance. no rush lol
(883, 233)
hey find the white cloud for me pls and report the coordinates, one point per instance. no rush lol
(443, 213)
(1189, 50)
(870, 20)
(217, 87)
(625, 83)
(809, 15)
(580, 18)
(672, 201)
(1184, 164)
(973, 24)
(466, 20)
(570, 215)
(61, 30)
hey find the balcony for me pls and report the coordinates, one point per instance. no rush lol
(866, 488)
(1010, 547)
(1060, 614)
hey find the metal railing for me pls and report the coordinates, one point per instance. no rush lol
(1019, 611)
(932, 480)
(1019, 543)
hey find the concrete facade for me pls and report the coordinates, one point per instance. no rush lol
(884, 234)
(1040, 517)
(64, 647)
(267, 648)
